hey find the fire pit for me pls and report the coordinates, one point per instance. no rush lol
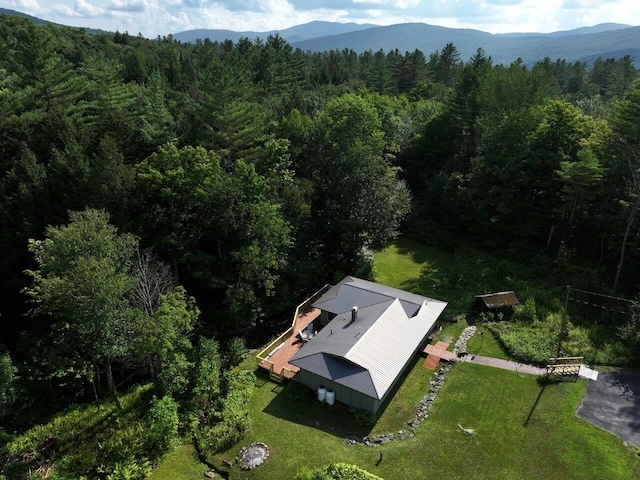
(253, 455)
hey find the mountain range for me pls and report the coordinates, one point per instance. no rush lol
(607, 40)
(586, 44)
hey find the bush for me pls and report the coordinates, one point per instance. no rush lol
(525, 313)
(7, 379)
(233, 421)
(162, 418)
(365, 419)
(84, 442)
(207, 381)
(224, 435)
(133, 470)
(336, 471)
(297, 392)
(524, 342)
(236, 352)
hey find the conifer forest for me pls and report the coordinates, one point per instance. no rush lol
(165, 206)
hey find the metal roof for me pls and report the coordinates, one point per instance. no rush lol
(340, 371)
(367, 354)
(352, 291)
(499, 299)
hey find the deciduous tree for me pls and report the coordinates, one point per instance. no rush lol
(81, 281)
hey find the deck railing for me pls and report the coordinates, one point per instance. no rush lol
(266, 351)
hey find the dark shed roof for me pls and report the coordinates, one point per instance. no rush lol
(493, 301)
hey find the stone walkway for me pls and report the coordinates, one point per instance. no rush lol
(504, 364)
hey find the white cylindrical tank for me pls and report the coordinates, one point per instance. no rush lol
(331, 397)
(322, 392)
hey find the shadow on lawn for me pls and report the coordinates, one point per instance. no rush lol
(535, 404)
(338, 419)
(334, 419)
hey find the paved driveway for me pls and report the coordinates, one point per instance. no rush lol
(613, 403)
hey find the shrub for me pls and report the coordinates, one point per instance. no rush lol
(336, 471)
(297, 392)
(224, 435)
(7, 379)
(163, 425)
(132, 470)
(524, 342)
(236, 352)
(233, 420)
(207, 381)
(526, 312)
(84, 442)
(365, 419)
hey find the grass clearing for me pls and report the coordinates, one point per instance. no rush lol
(523, 430)
(181, 464)
(80, 439)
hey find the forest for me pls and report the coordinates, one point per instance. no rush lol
(163, 205)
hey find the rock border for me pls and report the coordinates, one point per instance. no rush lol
(421, 414)
(461, 344)
(424, 407)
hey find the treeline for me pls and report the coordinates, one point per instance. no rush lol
(244, 175)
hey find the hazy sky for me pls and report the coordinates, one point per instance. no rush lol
(161, 17)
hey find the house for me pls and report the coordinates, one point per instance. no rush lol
(492, 302)
(369, 334)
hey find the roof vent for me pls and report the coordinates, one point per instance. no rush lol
(354, 314)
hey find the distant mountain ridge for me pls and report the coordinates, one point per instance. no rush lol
(607, 40)
(36, 20)
(293, 34)
(41, 22)
(601, 27)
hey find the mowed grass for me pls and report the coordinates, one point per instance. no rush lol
(453, 278)
(181, 464)
(522, 430)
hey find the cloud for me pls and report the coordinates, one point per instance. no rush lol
(504, 3)
(65, 11)
(134, 6)
(585, 4)
(256, 6)
(307, 5)
(28, 5)
(87, 9)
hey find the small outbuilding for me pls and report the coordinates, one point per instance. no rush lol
(492, 302)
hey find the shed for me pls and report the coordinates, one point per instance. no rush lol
(492, 302)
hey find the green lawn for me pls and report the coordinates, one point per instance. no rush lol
(454, 278)
(522, 430)
(181, 463)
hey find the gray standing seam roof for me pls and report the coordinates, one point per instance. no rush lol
(340, 371)
(367, 354)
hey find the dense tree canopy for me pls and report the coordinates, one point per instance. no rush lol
(212, 185)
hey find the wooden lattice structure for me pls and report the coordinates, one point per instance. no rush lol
(564, 365)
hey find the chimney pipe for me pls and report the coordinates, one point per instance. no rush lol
(354, 314)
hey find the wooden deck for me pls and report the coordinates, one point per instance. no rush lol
(437, 352)
(280, 357)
